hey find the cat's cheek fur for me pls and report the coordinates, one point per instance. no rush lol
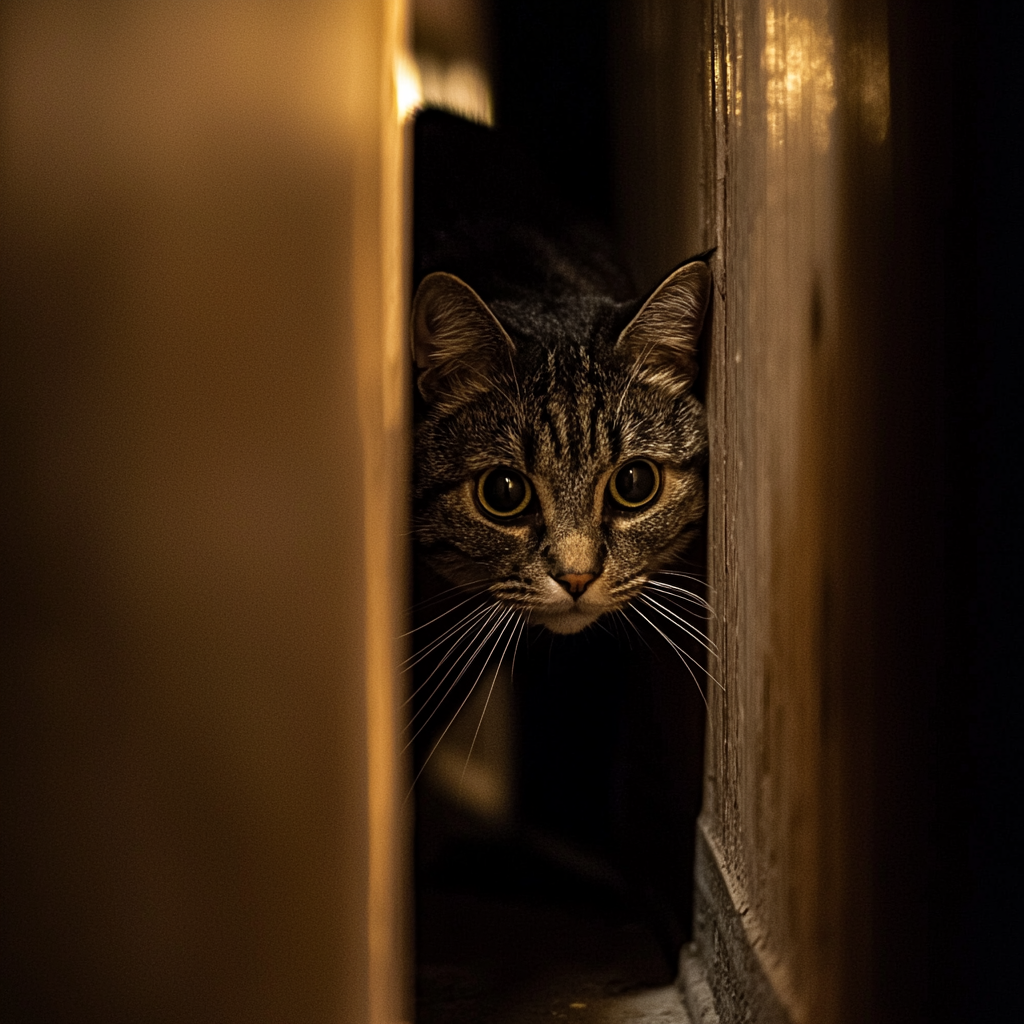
(684, 501)
(453, 533)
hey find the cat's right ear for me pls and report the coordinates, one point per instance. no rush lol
(457, 343)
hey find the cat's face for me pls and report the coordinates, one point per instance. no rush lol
(561, 458)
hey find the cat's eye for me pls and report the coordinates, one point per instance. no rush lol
(503, 493)
(635, 484)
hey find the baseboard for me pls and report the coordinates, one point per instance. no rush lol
(695, 988)
(721, 973)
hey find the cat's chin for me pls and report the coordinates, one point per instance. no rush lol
(568, 622)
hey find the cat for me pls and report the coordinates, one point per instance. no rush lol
(560, 455)
(560, 450)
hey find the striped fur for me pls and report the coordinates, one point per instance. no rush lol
(534, 353)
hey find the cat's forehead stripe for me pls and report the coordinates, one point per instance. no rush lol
(571, 414)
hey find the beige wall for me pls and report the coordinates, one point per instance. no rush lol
(204, 428)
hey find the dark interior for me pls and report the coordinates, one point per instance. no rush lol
(183, 731)
(581, 890)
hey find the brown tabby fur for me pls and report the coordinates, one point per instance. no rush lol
(534, 358)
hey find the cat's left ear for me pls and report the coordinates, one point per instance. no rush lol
(663, 336)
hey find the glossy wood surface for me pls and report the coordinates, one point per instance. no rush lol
(822, 396)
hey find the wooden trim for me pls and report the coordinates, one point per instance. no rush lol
(723, 972)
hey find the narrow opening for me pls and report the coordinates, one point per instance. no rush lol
(555, 815)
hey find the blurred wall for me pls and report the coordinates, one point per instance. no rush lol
(203, 531)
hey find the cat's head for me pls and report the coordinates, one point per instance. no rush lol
(560, 460)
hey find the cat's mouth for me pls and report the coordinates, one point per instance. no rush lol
(562, 613)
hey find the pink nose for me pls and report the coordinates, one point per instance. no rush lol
(576, 582)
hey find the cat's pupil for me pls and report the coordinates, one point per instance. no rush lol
(504, 492)
(635, 483)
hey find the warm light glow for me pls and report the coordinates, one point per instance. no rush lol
(408, 88)
(800, 77)
(461, 87)
(734, 58)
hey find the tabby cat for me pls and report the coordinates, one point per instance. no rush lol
(560, 449)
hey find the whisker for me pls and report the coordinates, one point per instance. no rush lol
(696, 577)
(625, 618)
(504, 621)
(682, 594)
(678, 651)
(683, 651)
(502, 617)
(469, 633)
(684, 655)
(697, 635)
(478, 588)
(469, 636)
(522, 629)
(447, 611)
(614, 619)
(417, 656)
(626, 591)
(489, 692)
(447, 590)
(685, 608)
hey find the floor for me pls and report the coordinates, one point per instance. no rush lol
(504, 937)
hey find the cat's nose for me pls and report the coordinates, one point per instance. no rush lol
(576, 582)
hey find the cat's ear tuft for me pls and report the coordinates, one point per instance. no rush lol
(457, 343)
(663, 336)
